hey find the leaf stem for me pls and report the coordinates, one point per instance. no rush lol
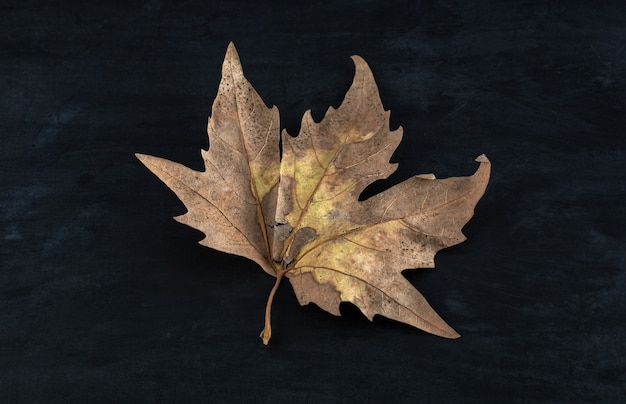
(266, 334)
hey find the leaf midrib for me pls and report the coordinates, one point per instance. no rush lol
(259, 208)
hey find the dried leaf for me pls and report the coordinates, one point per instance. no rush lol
(299, 216)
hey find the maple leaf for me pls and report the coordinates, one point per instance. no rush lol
(299, 216)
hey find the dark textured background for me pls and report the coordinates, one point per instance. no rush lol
(105, 298)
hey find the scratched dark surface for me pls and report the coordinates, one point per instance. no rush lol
(105, 298)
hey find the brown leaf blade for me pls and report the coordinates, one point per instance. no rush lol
(408, 224)
(230, 201)
(299, 215)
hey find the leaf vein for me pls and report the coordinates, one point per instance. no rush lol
(184, 184)
(375, 287)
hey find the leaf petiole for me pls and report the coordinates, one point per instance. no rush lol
(266, 334)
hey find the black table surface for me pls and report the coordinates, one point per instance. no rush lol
(105, 298)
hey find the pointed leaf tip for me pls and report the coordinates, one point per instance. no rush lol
(358, 59)
(482, 159)
(232, 63)
(361, 67)
(144, 158)
(231, 49)
(452, 335)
